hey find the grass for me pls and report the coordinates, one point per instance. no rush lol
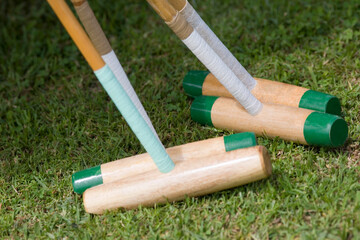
(56, 119)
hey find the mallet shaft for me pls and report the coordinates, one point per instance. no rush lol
(102, 45)
(114, 89)
(201, 49)
(194, 19)
(178, 4)
(77, 33)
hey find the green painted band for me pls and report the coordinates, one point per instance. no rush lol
(87, 178)
(321, 102)
(201, 109)
(325, 130)
(239, 140)
(193, 82)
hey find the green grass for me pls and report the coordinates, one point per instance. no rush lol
(56, 119)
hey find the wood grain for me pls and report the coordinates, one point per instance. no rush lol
(178, 4)
(266, 91)
(273, 120)
(139, 164)
(189, 178)
(165, 10)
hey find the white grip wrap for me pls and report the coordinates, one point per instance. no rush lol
(214, 42)
(222, 72)
(112, 61)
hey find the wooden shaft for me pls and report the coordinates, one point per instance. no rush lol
(178, 4)
(175, 21)
(164, 9)
(189, 178)
(265, 91)
(78, 2)
(77, 33)
(273, 121)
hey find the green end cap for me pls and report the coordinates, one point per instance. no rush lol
(87, 178)
(321, 102)
(193, 82)
(201, 109)
(325, 130)
(239, 140)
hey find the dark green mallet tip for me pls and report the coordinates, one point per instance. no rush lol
(321, 102)
(325, 130)
(239, 140)
(87, 178)
(201, 109)
(193, 82)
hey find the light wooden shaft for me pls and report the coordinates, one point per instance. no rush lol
(178, 4)
(164, 9)
(77, 33)
(204, 176)
(274, 120)
(266, 91)
(139, 164)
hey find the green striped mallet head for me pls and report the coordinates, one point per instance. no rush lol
(87, 178)
(320, 129)
(91, 177)
(313, 100)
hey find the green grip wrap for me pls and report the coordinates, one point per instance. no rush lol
(134, 119)
(201, 109)
(239, 140)
(87, 178)
(320, 102)
(324, 129)
(193, 82)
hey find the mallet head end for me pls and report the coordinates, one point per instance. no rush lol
(239, 140)
(201, 109)
(325, 130)
(265, 161)
(87, 178)
(321, 102)
(193, 82)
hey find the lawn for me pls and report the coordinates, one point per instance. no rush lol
(56, 119)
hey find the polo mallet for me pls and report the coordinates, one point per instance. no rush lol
(116, 92)
(102, 45)
(206, 55)
(266, 91)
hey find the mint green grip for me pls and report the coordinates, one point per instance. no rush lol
(132, 116)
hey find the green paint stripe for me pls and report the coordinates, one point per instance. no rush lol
(193, 82)
(201, 109)
(325, 130)
(239, 140)
(87, 178)
(320, 102)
